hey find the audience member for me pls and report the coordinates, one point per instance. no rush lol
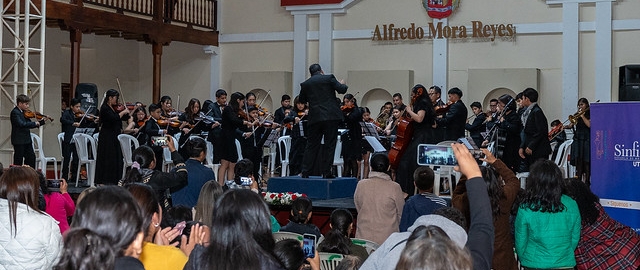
(196, 149)
(547, 222)
(502, 193)
(142, 171)
(59, 205)
(301, 211)
(379, 201)
(243, 177)
(423, 203)
(429, 247)
(157, 253)
(242, 236)
(604, 242)
(290, 254)
(337, 239)
(106, 233)
(209, 194)
(31, 239)
(349, 262)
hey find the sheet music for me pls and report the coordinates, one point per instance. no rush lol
(369, 129)
(272, 138)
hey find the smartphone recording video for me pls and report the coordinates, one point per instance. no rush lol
(159, 141)
(309, 245)
(438, 155)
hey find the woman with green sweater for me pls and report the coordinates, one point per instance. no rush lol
(547, 226)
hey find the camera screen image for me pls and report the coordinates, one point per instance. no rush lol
(439, 155)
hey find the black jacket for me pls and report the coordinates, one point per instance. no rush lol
(319, 91)
(454, 120)
(20, 126)
(536, 134)
(216, 113)
(67, 119)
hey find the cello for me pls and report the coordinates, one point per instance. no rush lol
(404, 134)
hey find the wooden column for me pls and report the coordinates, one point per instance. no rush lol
(75, 37)
(157, 70)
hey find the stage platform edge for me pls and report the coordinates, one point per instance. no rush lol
(316, 188)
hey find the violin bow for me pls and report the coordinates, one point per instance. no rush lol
(121, 93)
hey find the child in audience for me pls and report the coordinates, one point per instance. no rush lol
(423, 203)
(547, 222)
(337, 239)
(290, 254)
(243, 177)
(301, 211)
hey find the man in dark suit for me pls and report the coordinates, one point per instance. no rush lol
(455, 119)
(153, 129)
(535, 143)
(324, 117)
(434, 95)
(69, 126)
(20, 135)
(479, 124)
(216, 128)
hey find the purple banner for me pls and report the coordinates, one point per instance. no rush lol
(615, 159)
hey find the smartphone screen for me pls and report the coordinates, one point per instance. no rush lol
(439, 155)
(246, 181)
(309, 245)
(159, 141)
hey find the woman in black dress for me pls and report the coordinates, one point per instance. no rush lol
(351, 141)
(422, 117)
(297, 117)
(580, 150)
(109, 157)
(233, 118)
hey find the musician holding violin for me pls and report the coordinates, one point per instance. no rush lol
(20, 134)
(169, 114)
(505, 134)
(109, 157)
(455, 115)
(416, 127)
(233, 120)
(214, 113)
(70, 121)
(136, 125)
(352, 140)
(191, 124)
(297, 119)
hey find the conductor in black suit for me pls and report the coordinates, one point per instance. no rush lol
(324, 117)
(535, 144)
(20, 135)
(455, 119)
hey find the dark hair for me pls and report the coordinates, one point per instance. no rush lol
(389, 102)
(207, 106)
(139, 109)
(209, 194)
(531, 94)
(315, 69)
(296, 100)
(452, 214)
(242, 237)
(423, 176)
(188, 111)
(508, 101)
(109, 93)
(220, 92)
(518, 96)
(233, 103)
(175, 215)
(243, 168)
(398, 95)
(494, 188)
(379, 162)
(476, 105)
(285, 97)
(352, 98)
(300, 209)
(195, 146)
(583, 100)
(585, 199)
(493, 100)
(74, 101)
(365, 110)
(19, 185)
(22, 98)
(555, 122)
(147, 201)
(289, 253)
(153, 107)
(43, 183)
(250, 94)
(349, 262)
(455, 91)
(104, 225)
(337, 239)
(164, 99)
(429, 247)
(436, 89)
(416, 89)
(144, 156)
(544, 188)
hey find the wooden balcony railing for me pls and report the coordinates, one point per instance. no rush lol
(193, 13)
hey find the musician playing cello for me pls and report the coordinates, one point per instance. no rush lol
(506, 133)
(422, 116)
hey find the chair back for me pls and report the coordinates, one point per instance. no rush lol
(563, 152)
(279, 236)
(60, 141)
(239, 149)
(370, 246)
(329, 261)
(36, 141)
(126, 141)
(209, 153)
(337, 158)
(284, 142)
(95, 137)
(85, 146)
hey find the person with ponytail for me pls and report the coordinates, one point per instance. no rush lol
(337, 240)
(106, 232)
(142, 170)
(301, 211)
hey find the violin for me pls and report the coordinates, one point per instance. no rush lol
(163, 122)
(38, 116)
(347, 108)
(87, 116)
(242, 114)
(132, 106)
(118, 108)
(261, 111)
(442, 109)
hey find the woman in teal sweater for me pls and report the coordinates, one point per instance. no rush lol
(547, 226)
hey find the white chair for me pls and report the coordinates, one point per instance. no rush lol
(279, 236)
(370, 246)
(329, 261)
(95, 138)
(86, 148)
(126, 141)
(272, 158)
(167, 162)
(239, 150)
(60, 141)
(523, 179)
(562, 156)
(338, 161)
(209, 157)
(41, 159)
(285, 148)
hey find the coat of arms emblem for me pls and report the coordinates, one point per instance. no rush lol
(439, 9)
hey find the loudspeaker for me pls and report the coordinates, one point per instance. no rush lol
(629, 83)
(87, 93)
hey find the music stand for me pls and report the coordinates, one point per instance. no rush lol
(88, 131)
(272, 138)
(369, 129)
